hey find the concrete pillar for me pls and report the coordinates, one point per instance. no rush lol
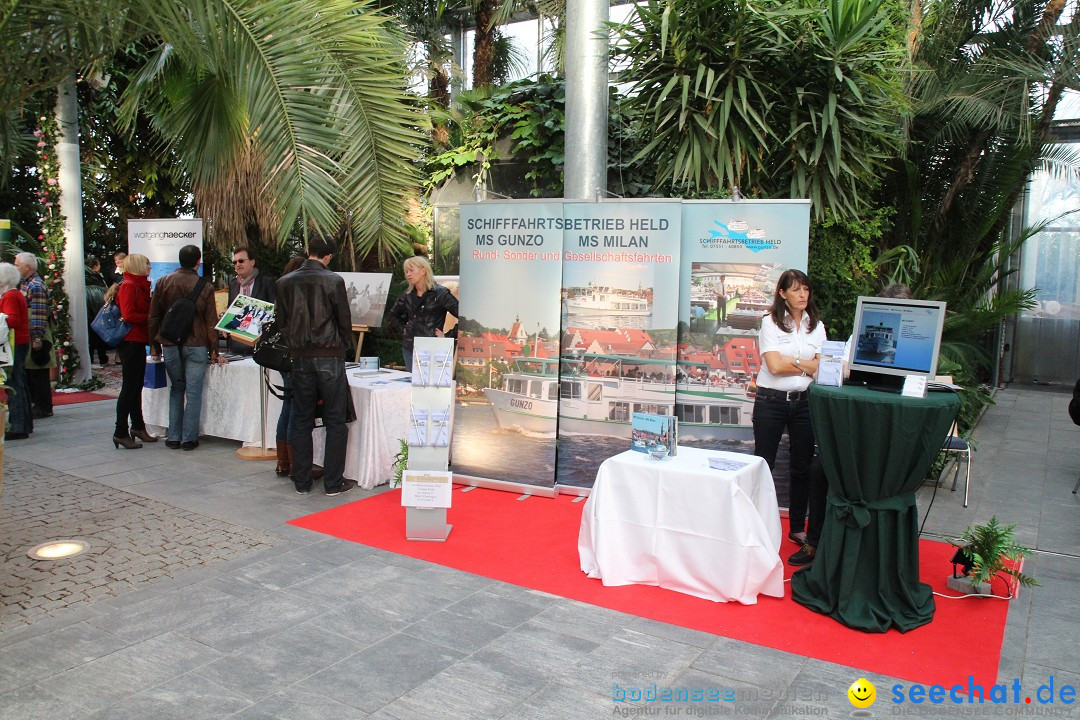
(586, 99)
(70, 179)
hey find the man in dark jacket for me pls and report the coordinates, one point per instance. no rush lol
(96, 287)
(185, 364)
(313, 311)
(250, 282)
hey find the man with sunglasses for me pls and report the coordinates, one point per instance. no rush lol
(248, 282)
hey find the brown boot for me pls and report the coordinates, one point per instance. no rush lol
(284, 467)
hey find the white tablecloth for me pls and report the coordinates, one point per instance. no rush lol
(231, 410)
(684, 526)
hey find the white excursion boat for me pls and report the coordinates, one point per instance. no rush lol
(598, 394)
(605, 300)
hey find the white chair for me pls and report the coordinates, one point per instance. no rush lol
(962, 449)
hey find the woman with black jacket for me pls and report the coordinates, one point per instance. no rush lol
(421, 310)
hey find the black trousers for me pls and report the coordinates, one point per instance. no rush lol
(129, 403)
(40, 389)
(315, 379)
(98, 348)
(771, 418)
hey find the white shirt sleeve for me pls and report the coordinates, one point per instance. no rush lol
(768, 336)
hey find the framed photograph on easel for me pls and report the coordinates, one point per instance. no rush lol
(367, 293)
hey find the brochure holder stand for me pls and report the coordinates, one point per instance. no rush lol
(427, 485)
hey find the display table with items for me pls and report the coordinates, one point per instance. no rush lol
(876, 448)
(230, 409)
(682, 525)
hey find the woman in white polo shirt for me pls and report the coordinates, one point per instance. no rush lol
(790, 344)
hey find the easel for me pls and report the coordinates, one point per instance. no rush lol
(360, 330)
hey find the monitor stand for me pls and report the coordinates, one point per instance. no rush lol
(876, 381)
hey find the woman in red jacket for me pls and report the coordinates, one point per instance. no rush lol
(133, 299)
(13, 304)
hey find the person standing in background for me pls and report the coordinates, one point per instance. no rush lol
(13, 304)
(284, 423)
(313, 309)
(41, 358)
(421, 310)
(96, 288)
(185, 364)
(133, 299)
(115, 273)
(250, 282)
(790, 345)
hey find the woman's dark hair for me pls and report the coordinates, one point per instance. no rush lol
(294, 262)
(778, 311)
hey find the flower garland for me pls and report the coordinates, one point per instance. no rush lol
(53, 242)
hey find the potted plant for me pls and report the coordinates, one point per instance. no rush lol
(401, 462)
(985, 552)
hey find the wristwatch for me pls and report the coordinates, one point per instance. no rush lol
(798, 362)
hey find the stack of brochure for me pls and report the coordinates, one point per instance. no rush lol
(723, 463)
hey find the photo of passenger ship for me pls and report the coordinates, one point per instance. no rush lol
(607, 300)
(595, 394)
(877, 341)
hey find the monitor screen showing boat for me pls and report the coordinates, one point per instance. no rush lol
(597, 395)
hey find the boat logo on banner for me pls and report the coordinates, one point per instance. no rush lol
(737, 233)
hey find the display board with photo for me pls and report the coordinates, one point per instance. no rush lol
(245, 318)
(367, 294)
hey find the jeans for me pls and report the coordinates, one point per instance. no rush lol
(406, 354)
(186, 368)
(315, 379)
(20, 414)
(40, 387)
(771, 418)
(129, 403)
(284, 421)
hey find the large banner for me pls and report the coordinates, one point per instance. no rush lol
(620, 290)
(732, 255)
(508, 357)
(576, 315)
(160, 241)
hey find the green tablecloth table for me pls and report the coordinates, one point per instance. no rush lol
(875, 448)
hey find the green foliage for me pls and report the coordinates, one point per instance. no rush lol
(988, 546)
(320, 93)
(401, 463)
(781, 99)
(528, 112)
(841, 266)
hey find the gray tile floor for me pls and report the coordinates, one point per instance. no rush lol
(292, 624)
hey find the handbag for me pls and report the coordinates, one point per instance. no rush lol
(154, 375)
(271, 350)
(109, 326)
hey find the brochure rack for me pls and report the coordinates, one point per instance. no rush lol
(426, 483)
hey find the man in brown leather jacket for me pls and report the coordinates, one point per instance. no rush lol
(313, 309)
(185, 364)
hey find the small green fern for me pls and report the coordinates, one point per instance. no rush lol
(401, 462)
(988, 546)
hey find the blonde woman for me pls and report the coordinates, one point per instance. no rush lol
(133, 298)
(421, 310)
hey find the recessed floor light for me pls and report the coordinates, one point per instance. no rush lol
(58, 549)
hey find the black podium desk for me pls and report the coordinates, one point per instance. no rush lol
(875, 448)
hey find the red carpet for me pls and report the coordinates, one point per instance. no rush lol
(533, 543)
(78, 397)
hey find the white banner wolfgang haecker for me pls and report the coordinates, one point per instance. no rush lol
(160, 241)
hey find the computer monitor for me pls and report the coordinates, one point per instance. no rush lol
(893, 338)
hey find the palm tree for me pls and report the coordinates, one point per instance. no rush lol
(314, 96)
(781, 99)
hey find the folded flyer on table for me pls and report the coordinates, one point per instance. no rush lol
(723, 463)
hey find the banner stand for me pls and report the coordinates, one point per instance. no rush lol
(261, 452)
